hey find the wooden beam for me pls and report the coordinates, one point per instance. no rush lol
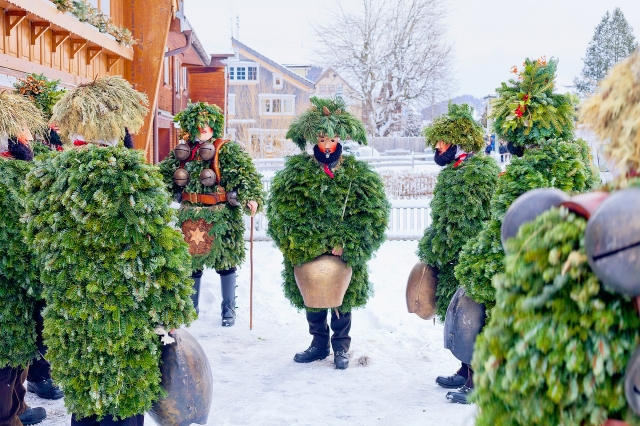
(76, 45)
(112, 60)
(92, 52)
(20, 15)
(55, 41)
(149, 22)
(37, 30)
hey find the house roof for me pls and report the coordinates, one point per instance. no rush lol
(327, 71)
(282, 69)
(314, 73)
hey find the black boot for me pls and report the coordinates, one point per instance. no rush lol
(340, 340)
(45, 389)
(461, 395)
(33, 416)
(319, 329)
(455, 381)
(228, 285)
(195, 297)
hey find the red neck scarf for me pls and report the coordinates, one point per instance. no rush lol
(460, 160)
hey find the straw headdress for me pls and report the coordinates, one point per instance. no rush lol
(17, 113)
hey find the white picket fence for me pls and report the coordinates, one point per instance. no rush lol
(407, 221)
(412, 159)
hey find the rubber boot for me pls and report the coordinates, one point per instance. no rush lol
(228, 285)
(195, 297)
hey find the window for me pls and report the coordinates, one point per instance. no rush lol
(184, 79)
(323, 88)
(277, 81)
(103, 5)
(231, 104)
(167, 76)
(243, 72)
(277, 104)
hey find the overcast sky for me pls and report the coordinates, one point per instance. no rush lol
(489, 35)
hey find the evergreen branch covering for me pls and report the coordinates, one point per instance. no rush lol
(39, 89)
(329, 117)
(614, 114)
(197, 116)
(557, 344)
(238, 174)
(552, 164)
(460, 205)
(19, 280)
(527, 111)
(457, 127)
(17, 114)
(112, 270)
(310, 214)
(100, 110)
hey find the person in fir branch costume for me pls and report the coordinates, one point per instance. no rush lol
(460, 204)
(327, 203)
(44, 93)
(114, 272)
(217, 182)
(19, 281)
(559, 339)
(545, 156)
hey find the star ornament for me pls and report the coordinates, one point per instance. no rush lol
(197, 236)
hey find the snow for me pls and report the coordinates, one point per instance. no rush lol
(258, 383)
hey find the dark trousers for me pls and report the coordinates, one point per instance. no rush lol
(108, 421)
(318, 328)
(40, 369)
(12, 394)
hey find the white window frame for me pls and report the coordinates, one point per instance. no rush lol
(266, 109)
(233, 68)
(278, 82)
(231, 104)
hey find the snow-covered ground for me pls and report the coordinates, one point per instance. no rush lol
(258, 383)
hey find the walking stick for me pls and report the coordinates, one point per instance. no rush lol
(251, 275)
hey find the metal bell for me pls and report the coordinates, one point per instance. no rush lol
(182, 151)
(612, 242)
(323, 281)
(421, 291)
(463, 323)
(207, 177)
(527, 207)
(206, 151)
(181, 177)
(232, 198)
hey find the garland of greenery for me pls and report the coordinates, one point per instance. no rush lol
(238, 174)
(91, 15)
(101, 110)
(457, 127)
(39, 89)
(613, 113)
(556, 347)
(552, 164)
(527, 111)
(459, 206)
(112, 270)
(19, 281)
(310, 214)
(197, 116)
(326, 116)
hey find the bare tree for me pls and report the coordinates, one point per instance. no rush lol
(395, 55)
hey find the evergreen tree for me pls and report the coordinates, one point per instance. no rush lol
(612, 41)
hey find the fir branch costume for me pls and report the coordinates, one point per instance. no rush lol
(327, 203)
(113, 269)
(225, 222)
(19, 276)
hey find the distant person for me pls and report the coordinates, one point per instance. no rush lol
(487, 149)
(503, 151)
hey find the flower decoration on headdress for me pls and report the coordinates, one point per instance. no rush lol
(456, 127)
(326, 117)
(101, 110)
(197, 116)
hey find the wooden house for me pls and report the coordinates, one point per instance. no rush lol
(330, 84)
(264, 97)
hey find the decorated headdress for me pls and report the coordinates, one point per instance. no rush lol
(326, 117)
(18, 114)
(613, 113)
(527, 111)
(39, 89)
(101, 110)
(196, 116)
(456, 127)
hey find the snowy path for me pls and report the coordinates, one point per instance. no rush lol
(257, 382)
